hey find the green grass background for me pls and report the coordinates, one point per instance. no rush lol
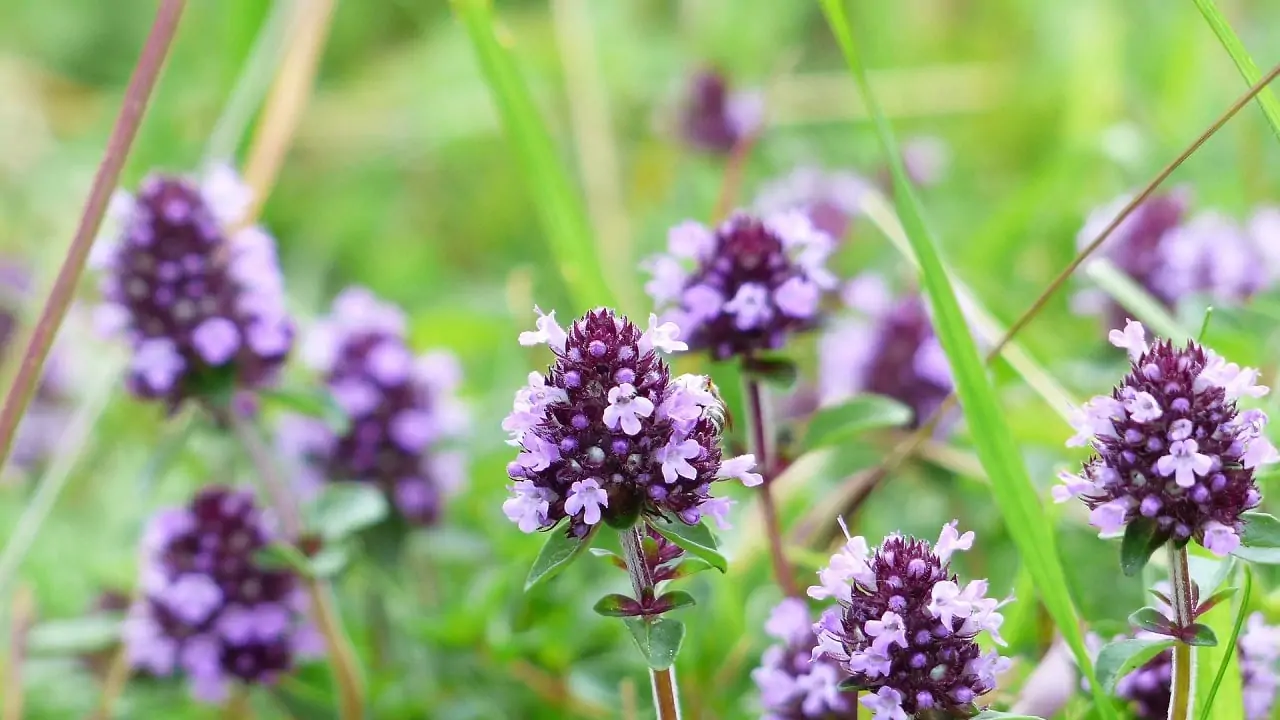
(401, 179)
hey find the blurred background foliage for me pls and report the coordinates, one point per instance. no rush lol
(400, 179)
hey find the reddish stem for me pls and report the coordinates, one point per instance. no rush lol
(767, 466)
(136, 97)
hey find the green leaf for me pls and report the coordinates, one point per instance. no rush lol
(75, 636)
(1121, 657)
(344, 508)
(1200, 635)
(557, 553)
(659, 640)
(1208, 573)
(779, 371)
(1141, 539)
(557, 201)
(676, 599)
(849, 684)
(1228, 672)
(1151, 620)
(611, 556)
(616, 605)
(1213, 600)
(687, 567)
(1240, 56)
(282, 556)
(1014, 493)
(316, 402)
(1260, 539)
(833, 425)
(329, 561)
(301, 701)
(696, 539)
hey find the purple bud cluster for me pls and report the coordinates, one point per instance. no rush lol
(746, 286)
(608, 434)
(714, 118)
(202, 303)
(905, 630)
(1171, 446)
(888, 348)
(1173, 256)
(209, 611)
(793, 684)
(402, 409)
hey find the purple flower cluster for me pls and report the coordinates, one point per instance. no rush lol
(1171, 446)
(1147, 689)
(1172, 256)
(831, 199)
(607, 433)
(905, 630)
(402, 409)
(201, 302)
(793, 684)
(752, 282)
(888, 348)
(715, 119)
(208, 610)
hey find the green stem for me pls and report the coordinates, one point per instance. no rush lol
(1182, 701)
(666, 696)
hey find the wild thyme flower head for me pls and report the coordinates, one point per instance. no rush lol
(209, 612)
(402, 408)
(889, 349)
(714, 118)
(745, 286)
(793, 685)
(607, 433)
(1171, 446)
(905, 629)
(830, 199)
(201, 302)
(1173, 256)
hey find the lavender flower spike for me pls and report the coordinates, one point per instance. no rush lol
(208, 611)
(746, 286)
(794, 686)
(202, 303)
(904, 628)
(403, 409)
(1171, 446)
(607, 433)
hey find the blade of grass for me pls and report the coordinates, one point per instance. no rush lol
(1011, 486)
(1240, 56)
(564, 220)
(1226, 676)
(1134, 298)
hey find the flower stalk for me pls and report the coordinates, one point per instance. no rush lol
(665, 694)
(1182, 700)
(761, 447)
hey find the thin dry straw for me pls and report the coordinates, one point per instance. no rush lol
(864, 483)
(136, 97)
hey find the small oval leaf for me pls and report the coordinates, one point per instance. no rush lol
(613, 557)
(675, 600)
(658, 639)
(687, 567)
(75, 636)
(557, 553)
(1260, 539)
(1152, 620)
(1141, 539)
(344, 508)
(696, 539)
(616, 605)
(1199, 634)
(1121, 657)
(833, 425)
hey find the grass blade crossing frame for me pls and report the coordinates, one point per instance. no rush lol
(1014, 493)
(559, 205)
(1240, 56)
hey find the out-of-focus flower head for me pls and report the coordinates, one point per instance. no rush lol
(403, 409)
(747, 285)
(830, 198)
(608, 434)
(887, 347)
(1171, 446)
(200, 300)
(793, 684)
(715, 118)
(209, 612)
(905, 629)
